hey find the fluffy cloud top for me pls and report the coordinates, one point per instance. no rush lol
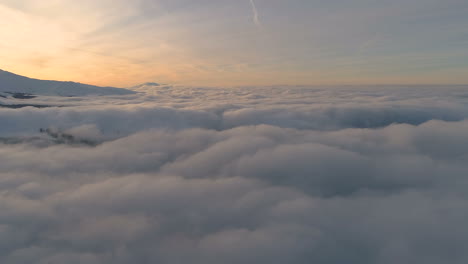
(247, 175)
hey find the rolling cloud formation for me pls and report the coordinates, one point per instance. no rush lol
(243, 175)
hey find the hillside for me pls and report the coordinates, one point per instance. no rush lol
(11, 83)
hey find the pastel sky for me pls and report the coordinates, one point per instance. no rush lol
(237, 42)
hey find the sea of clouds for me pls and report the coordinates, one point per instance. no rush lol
(330, 175)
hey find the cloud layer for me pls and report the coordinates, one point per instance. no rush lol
(247, 175)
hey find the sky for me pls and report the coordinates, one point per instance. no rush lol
(243, 42)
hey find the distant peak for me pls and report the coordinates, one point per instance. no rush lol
(148, 84)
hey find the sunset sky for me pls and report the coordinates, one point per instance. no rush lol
(237, 42)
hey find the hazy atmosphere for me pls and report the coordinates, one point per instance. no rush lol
(243, 42)
(229, 132)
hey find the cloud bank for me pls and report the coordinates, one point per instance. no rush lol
(245, 175)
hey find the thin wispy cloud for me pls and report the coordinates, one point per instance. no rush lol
(256, 18)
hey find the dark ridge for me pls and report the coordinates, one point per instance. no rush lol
(18, 140)
(21, 95)
(18, 106)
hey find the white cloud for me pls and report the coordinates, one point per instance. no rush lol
(244, 175)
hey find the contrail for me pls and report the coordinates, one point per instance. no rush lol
(255, 14)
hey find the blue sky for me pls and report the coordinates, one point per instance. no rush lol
(223, 42)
